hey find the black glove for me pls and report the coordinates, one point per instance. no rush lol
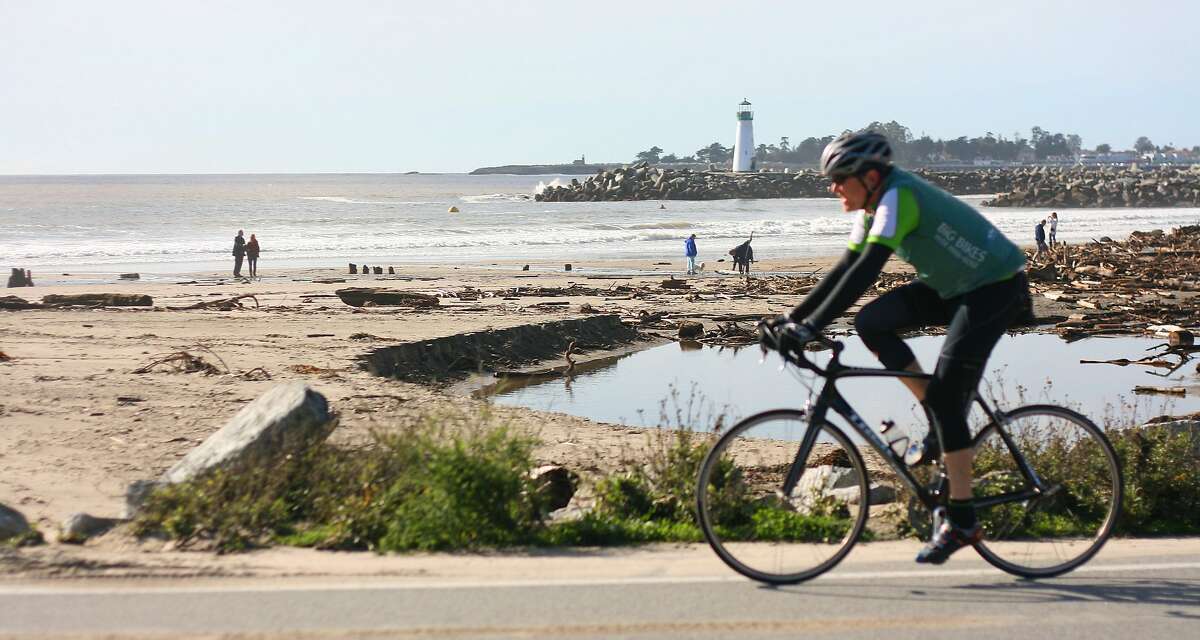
(782, 334)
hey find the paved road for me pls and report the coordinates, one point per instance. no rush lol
(1140, 590)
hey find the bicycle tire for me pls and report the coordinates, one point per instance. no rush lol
(765, 458)
(1069, 518)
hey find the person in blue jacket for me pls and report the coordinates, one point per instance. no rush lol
(689, 250)
(1039, 236)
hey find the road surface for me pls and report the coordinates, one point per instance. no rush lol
(1142, 589)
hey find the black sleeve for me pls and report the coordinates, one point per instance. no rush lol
(858, 278)
(818, 293)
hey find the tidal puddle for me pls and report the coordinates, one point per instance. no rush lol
(675, 384)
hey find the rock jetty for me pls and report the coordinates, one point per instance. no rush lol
(1019, 187)
(1113, 187)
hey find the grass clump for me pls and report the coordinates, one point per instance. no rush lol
(444, 482)
(1162, 480)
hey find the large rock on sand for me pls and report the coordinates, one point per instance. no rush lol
(284, 420)
(79, 527)
(12, 524)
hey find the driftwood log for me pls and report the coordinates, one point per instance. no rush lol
(359, 296)
(98, 300)
(13, 303)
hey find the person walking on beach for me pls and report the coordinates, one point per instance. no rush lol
(1053, 228)
(239, 252)
(970, 278)
(252, 255)
(689, 250)
(1039, 236)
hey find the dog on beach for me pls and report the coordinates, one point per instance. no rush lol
(743, 255)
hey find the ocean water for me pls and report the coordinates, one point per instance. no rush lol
(184, 223)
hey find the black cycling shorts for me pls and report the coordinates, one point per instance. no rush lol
(975, 321)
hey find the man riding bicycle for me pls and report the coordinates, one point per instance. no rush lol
(970, 277)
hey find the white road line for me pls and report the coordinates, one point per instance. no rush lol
(412, 585)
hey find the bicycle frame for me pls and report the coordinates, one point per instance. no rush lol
(831, 398)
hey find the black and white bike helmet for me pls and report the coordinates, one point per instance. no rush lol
(853, 153)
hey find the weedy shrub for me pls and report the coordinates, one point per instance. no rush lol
(445, 481)
(1162, 480)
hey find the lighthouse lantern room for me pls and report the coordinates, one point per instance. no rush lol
(743, 146)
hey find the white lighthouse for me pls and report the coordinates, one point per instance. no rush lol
(743, 145)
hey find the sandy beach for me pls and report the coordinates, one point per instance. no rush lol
(78, 425)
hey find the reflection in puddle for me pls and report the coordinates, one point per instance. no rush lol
(640, 388)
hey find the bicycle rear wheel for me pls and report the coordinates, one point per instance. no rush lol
(1063, 527)
(761, 531)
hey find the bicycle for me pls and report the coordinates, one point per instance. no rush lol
(783, 495)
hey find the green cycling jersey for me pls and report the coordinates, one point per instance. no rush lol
(953, 248)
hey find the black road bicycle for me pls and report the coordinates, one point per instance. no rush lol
(783, 495)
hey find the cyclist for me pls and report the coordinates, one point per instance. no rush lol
(969, 277)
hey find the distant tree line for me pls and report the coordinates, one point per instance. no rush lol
(913, 151)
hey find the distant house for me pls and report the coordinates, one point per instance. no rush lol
(1111, 158)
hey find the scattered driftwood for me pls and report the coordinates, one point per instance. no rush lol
(1173, 391)
(98, 300)
(257, 373)
(1146, 284)
(360, 296)
(181, 361)
(4, 357)
(224, 304)
(308, 369)
(731, 334)
(1148, 361)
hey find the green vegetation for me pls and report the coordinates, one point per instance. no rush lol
(1162, 481)
(30, 538)
(444, 482)
(1161, 470)
(463, 481)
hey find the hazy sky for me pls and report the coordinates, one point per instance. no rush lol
(164, 86)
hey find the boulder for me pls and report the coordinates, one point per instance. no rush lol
(284, 420)
(358, 296)
(136, 494)
(13, 525)
(98, 300)
(78, 527)
(821, 480)
(876, 494)
(555, 486)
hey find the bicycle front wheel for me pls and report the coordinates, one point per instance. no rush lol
(771, 534)
(1067, 523)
